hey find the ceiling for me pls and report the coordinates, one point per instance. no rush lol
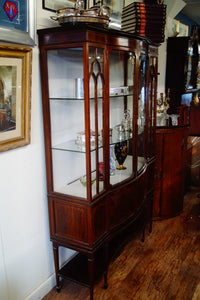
(192, 10)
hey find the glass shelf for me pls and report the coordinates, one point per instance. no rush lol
(72, 146)
(77, 189)
(81, 99)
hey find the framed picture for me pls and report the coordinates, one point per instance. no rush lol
(15, 96)
(175, 27)
(54, 5)
(17, 22)
(183, 29)
(179, 29)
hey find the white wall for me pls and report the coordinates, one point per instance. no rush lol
(26, 260)
(25, 250)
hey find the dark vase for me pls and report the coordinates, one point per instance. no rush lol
(121, 154)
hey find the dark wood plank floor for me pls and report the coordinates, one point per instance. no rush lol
(165, 267)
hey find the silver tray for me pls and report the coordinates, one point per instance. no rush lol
(85, 19)
(93, 15)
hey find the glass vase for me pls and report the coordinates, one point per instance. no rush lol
(112, 161)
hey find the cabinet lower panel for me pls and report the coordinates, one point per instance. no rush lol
(170, 170)
(70, 221)
(76, 269)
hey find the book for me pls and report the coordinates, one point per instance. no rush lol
(145, 19)
(150, 22)
(151, 17)
(145, 6)
(148, 10)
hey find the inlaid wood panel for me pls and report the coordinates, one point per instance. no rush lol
(71, 221)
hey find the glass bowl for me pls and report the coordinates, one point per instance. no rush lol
(83, 179)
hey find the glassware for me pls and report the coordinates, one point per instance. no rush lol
(174, 118)
(113, 164)
(126, 122)
(83, 179)
(120, 132)
(101, 171)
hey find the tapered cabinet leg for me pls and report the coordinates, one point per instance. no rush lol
(106, 266)
(56, 264)
(91, 274)
(151, 216)
(143, 233)
(150, 226)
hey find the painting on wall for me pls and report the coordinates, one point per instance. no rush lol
(15, 95)
(179, 28)
(17, 21)
(183, 29)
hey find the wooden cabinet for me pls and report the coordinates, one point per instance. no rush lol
(99, 130)
(182, 70)
(170, 171)
(194, 128)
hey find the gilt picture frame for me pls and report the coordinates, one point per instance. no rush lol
(179, 28)
(18, 22)
(15, 96)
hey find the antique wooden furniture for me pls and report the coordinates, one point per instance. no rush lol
(194, 129)
(170, 171)
(99, 94)
(182, 70)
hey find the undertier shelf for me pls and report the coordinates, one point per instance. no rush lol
(76, 269)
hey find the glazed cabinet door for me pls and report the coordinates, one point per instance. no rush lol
(96, 119)
(121, 115)
(152, 89)
(142, 113)
(76, 93)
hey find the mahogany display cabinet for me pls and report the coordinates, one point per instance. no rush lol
(99, 94)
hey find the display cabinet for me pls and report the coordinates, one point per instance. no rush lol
(182, 70)
(99, 94)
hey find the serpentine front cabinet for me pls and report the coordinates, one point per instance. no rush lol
(99, 93)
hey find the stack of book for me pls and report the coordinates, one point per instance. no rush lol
(145, 19)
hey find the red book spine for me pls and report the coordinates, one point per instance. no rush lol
(143, 19)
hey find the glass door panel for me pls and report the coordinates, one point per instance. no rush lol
(152, 101)
(189, 66)
(141, 111)
(198, 70)
(66, 96)
(121, 75)
(96, 89)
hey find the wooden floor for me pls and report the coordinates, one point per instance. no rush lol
(165, 267)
